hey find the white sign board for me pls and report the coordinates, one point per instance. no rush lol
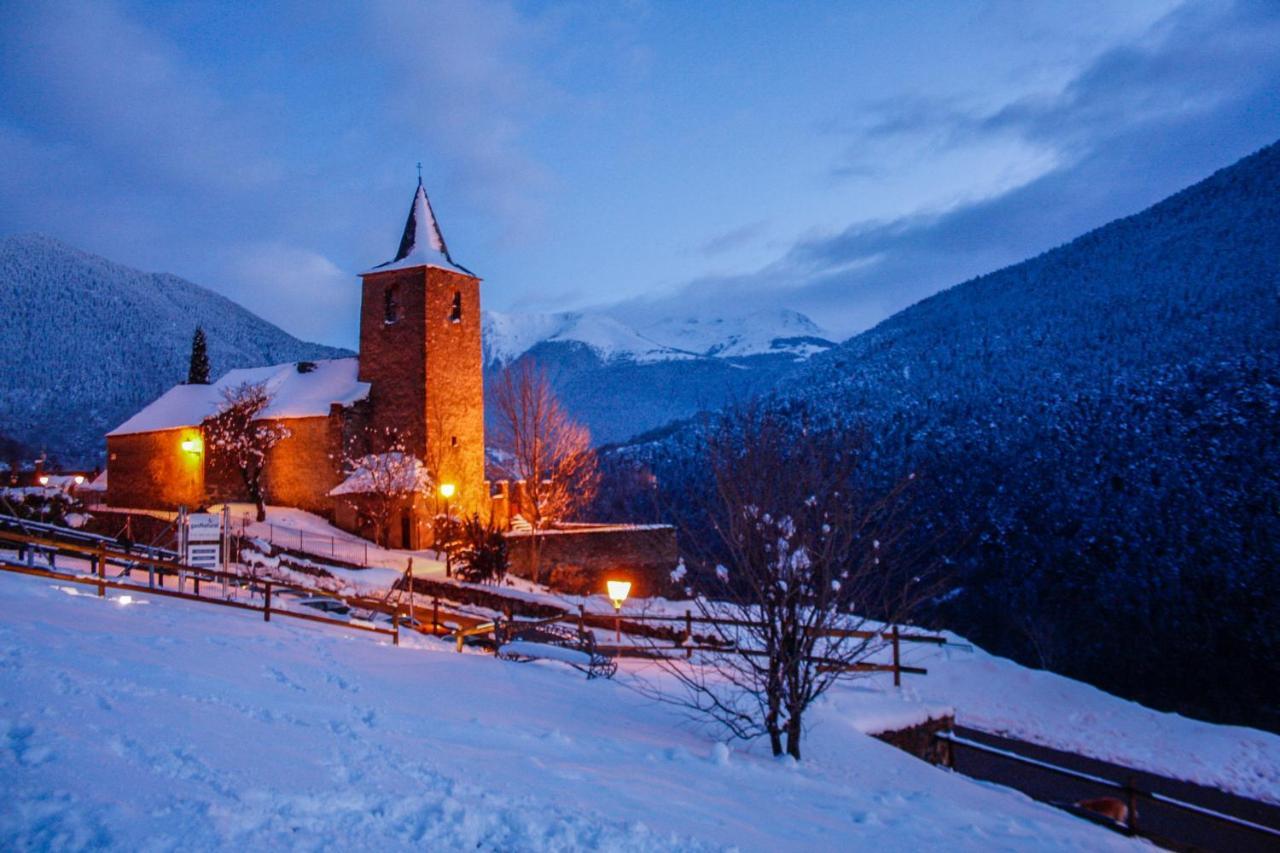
(203, 556)
(204, 527)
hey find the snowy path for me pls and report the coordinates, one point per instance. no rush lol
(165, 725)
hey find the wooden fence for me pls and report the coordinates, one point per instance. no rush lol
(685, 641)
(99, 557)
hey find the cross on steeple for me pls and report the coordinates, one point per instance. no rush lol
(419, 173)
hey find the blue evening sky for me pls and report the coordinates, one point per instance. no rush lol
(842, 159)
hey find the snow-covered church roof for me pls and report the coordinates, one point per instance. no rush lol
(297, 391)
(422, 244)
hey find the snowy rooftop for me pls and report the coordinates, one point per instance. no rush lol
(422, 244)
(294, 394)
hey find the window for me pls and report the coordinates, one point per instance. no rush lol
(454, 441)
(391, 304)
(455, 316)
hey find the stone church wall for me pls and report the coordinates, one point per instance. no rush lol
(579, 559)
(150, 470)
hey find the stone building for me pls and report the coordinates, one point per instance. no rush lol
(419, 376)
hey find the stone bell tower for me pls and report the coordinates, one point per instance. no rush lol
(420, 351)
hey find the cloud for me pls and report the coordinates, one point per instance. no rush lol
(84, 75)
(1140, 122)
(727, 241)
(464, 76)
(297, 289)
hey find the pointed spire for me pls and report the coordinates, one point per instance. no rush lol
(422, 243)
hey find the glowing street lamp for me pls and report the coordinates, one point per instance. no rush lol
(447, 491)
(618, 592)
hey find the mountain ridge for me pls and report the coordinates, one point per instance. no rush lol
(1094, 430)
(65, 379)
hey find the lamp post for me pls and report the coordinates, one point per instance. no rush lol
(618, 592)
(446, 491)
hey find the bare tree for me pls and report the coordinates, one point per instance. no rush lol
(241, 440)
(543, 446)
(798, 570)
(386, 483)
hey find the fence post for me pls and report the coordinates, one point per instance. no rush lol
(688, 634)
(102, 564)
(395, 624)
(435, 615)
(582, 621)
(266, 609)
(897, 660)
(1131, 800)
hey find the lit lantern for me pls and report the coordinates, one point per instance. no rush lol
(44, 479)
(79, 479)
(192, 445)
(618, 592)
(447, 490)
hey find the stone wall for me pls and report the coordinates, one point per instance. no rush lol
(150, 470)
(921, 740)
(579, 560)
(302, 468)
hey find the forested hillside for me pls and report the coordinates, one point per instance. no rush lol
(1095, 436)
(85, 342)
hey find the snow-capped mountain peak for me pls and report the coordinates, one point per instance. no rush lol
(507, 336)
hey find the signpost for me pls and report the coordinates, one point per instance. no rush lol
(204, 540)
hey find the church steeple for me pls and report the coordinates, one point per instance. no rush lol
(422, 244)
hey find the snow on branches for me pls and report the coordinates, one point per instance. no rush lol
(240, 440)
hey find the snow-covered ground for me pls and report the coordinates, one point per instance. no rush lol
(998, 695)
(160, 724)
(986, 691)
(983, 690)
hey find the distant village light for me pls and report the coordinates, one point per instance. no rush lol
(44, 479)
(79, 478)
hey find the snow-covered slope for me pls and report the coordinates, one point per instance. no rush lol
(85, 343)
(757, 333)
(508, 336)
(157, 724)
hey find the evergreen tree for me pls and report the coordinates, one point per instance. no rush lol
(198, 372)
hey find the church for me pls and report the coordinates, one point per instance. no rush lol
(418, 375)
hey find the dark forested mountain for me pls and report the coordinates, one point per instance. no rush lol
(1096, 433)
(85, 342)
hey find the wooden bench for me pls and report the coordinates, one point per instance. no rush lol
(552, 641)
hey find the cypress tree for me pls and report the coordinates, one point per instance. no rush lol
(198, 373)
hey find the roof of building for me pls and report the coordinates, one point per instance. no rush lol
(385, 472)
(294, 394)
(422, 244)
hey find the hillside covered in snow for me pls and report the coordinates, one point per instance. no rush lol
(134, 722)
(85, 343)
(1094, 436)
